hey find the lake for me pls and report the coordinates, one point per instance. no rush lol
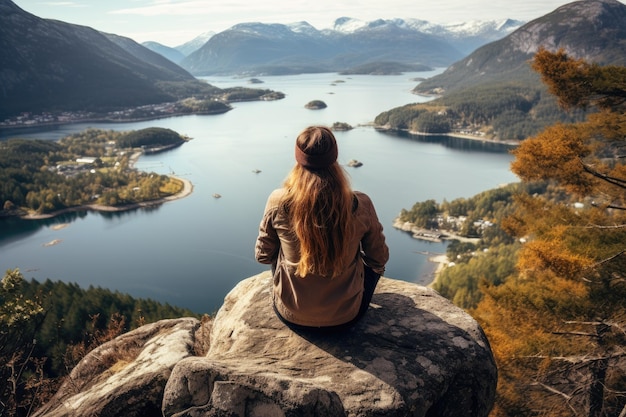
(192, 251)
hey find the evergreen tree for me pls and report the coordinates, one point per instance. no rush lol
(20, 318)
(47, 328)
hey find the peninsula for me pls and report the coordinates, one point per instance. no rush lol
(91, 170)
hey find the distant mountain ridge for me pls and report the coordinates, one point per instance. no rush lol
(196, 43)
(178, 53)
(49, 65)
(591, 29)
(261, 48)
(172, 54)
(464, 36)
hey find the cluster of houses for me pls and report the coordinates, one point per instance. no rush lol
(31, 119)
(457, 222)
(149, 110)
(445, 224)
(82, 165)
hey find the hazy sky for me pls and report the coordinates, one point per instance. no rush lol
(174, 22)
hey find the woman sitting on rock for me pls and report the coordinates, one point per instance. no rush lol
(323, 240)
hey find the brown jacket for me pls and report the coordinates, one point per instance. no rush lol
(315, 300)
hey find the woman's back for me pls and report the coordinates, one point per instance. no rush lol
(320, 237)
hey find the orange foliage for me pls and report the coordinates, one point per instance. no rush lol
(555, 154)
(577, 83)
(541, 255)
(566, 304)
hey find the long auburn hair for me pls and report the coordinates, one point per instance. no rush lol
(319, 204)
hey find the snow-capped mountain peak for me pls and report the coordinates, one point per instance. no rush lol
(498, 28)
(348, 25)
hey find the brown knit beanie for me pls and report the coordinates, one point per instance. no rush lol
(320, 148)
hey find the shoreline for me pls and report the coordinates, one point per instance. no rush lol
(430, 235)
(507, 142)
(441, 262)
(110, 120)
(186, 191)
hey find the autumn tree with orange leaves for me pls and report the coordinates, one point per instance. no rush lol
(558, 327)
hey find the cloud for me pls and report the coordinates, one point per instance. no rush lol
(63, 4)
(288, 11)
(181, 8)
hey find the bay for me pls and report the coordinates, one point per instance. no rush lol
(192, 251)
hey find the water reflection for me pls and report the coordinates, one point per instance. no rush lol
(14, 229)
(452, 142)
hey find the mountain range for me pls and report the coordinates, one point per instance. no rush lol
(178, 53)
(259, 48)
(52, 66)
(594, 30)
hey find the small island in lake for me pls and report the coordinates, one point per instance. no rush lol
(386, 68)
(315, 105)
(341, 126)
(354, 163)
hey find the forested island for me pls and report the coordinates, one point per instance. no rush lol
(92, 169)
(385, 68)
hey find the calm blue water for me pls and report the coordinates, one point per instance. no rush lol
(191, 252)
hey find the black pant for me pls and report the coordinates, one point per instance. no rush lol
(369, 286)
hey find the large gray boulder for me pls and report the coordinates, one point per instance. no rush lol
(414, 354)
(126, 376)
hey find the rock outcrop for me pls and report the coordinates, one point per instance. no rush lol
(414, 354)
(126, 376)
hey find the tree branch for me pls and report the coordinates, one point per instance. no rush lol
(576, 359)
(611, 180)
(606, 324)
(553, 390)
(603, 261)
(597, 226)
(587, 323)
(576, 334)
(567, 397)
(611, 206)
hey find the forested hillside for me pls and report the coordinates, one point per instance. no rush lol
(489, 252)
(494, 111)
(47, 327)
(52, 66)
(549, 290)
